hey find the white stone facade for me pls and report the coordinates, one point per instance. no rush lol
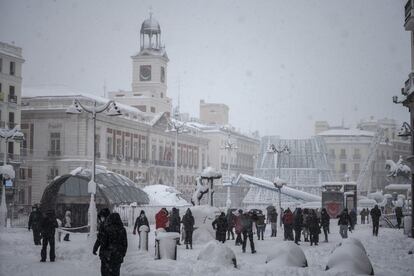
(134, 145)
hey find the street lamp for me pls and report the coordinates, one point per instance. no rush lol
(229, 146)
(7, 171)
(279, 183)
(179, 128)
(111, 109)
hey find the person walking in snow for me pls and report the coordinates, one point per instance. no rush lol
(188, 223)
(48, 228)
(175, 222)
(353, 216)
(161, 219)
(375, 215)
(344, 221)
(288, 224)
(363, 215)
(297, 224)
(272, 218)
(260, 226)
(247, 221)
(230, 224)
(102, 216)
(140, 221)
(305, 229)
(399, 215)
(68, 224)
(114, 244)
(314, 228)
(35, 220)
(220, 225)
(325, 219)
(238, 227)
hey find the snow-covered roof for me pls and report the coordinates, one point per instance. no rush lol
(346, 132)
(7, 170)
(398, 187)
(284, 190)
(54, 91)
(162, 195)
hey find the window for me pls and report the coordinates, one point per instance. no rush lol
(153, 152)
(11, 148)
(343, 168)
(109, 146)
(127, 149)
(11, 120)
(162, 95)
(119, 147)
(136, 150)
(143, 149)
(356, 167)
(142, 108)
(152, 109)
(22, 173)
(161, 153)
(29, 173)
(53, 172)
(54, 143)
(162, 74)
(343, 154)
(12, 68)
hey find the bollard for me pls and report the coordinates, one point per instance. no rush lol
(407, 225)
(143, 238)
(166, 245)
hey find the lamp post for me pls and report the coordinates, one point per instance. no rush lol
(229, 146)
(276, 151)
(279, 183)
(179, 128)
(7, 134)
(111, 109)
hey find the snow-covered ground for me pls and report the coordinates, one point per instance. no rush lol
(388, 254)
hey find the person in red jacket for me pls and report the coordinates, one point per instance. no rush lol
(161, 219)
(238, 227)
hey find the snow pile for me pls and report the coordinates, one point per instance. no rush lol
(7, 170)
(287, 254)
(377, 196)
(217, 253)
(203, 218)
(210, 172)
(167, 243)
(366, 203)
(162, 195)
(350, 256)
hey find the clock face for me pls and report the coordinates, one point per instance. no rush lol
(145, 73)
(162, 74)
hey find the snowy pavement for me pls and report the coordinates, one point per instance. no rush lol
(18, 256)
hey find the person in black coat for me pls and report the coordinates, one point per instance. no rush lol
(375, 215)
(141, 220)
(344, 221)
(188, 223)
(175, 222)
(230, 224)
(48, 228)
(102, 216)
(247, 220)
(114, 244)
(399, 214)
(325, 219)
(35, 220)
(314, 228)
(353, 217)
(220, 225)
(298, 224)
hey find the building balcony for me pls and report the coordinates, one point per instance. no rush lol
(13, 99)
(409, 16)
(53, 153)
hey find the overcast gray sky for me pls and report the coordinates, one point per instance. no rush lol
(278, 65)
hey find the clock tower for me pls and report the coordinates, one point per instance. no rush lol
(149, 71)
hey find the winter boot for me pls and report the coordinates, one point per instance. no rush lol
(186, 246)
(253, 251)
(191, 246)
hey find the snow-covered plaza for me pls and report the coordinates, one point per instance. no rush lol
(388, 253)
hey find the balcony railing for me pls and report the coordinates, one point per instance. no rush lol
(12, 99)
(54, 153)
(409, 19)
(13, 158)
(164, 163)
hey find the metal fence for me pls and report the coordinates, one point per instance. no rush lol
(19, 215)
